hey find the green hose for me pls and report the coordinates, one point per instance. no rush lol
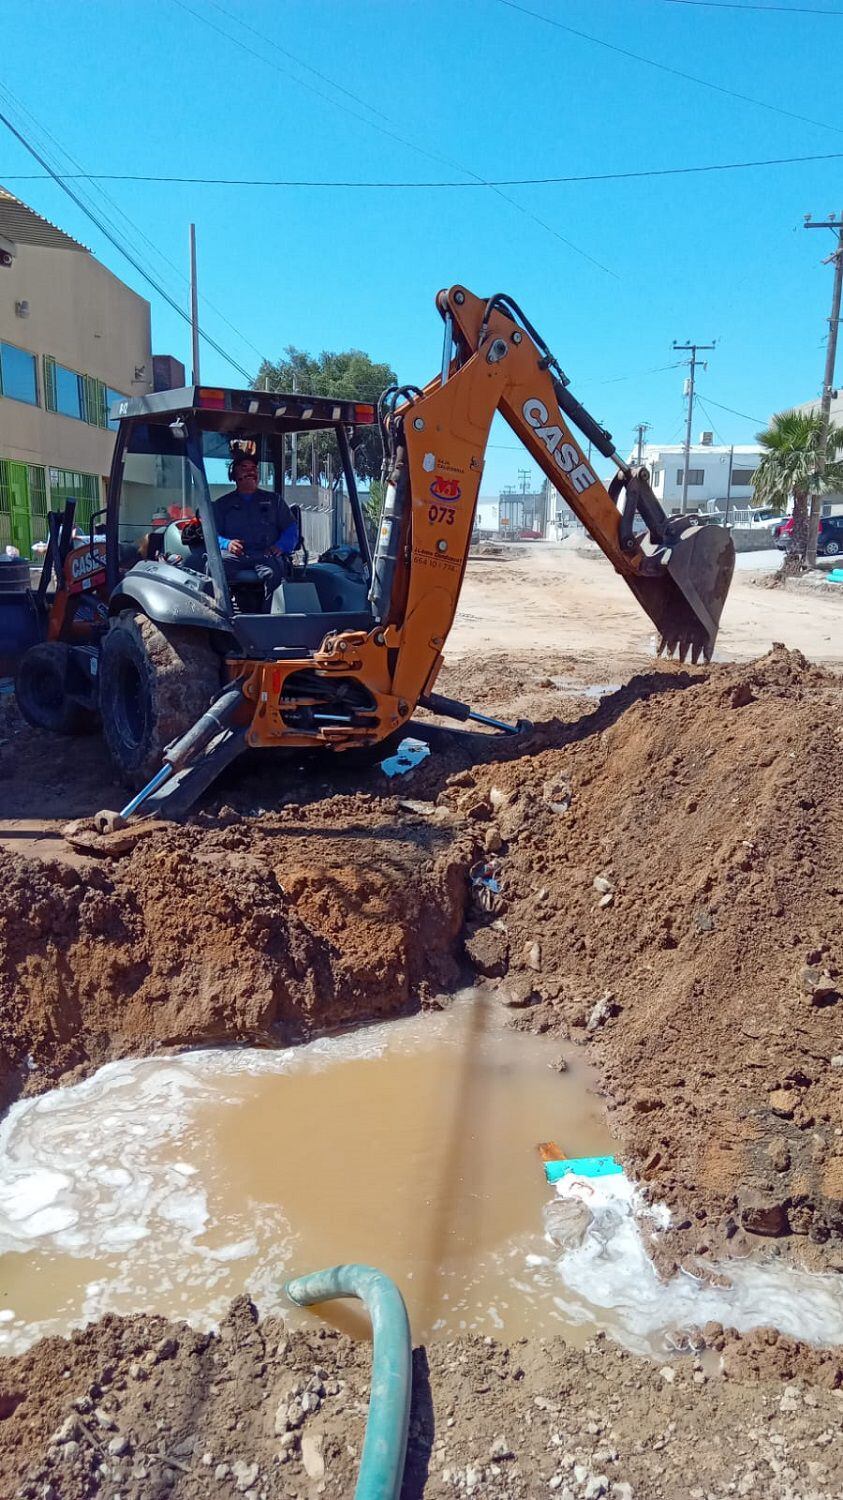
(385, 1442)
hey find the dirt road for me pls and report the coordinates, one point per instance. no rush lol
(551, 598)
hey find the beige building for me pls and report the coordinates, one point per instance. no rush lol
(73, 338)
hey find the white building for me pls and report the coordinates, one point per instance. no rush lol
(486, 516)
(719, 478)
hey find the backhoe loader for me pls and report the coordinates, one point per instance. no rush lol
(185, 662)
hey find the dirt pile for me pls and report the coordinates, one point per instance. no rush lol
(221, 931)
(673, 894)
(144, 1409)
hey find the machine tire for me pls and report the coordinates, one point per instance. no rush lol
(41, 691)
(155, 682)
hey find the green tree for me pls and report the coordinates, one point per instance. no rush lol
(351, 376)
(789, 467)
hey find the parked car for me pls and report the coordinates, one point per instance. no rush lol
(764, 517)
(829, 535)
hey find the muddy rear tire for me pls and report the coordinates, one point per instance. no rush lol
(41, 691)
(155, 682)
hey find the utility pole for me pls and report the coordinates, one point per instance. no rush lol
(729, 485)
(194, 305)
(641, 428)
(835, 259)
(294, 446)
(693, 362)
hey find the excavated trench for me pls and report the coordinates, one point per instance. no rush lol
(654, 887)
(168, 1186)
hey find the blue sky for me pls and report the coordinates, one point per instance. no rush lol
(478, 87)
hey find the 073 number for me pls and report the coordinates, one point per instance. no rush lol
(440, 513)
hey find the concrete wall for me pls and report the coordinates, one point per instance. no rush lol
(89, 321)
(752, 538)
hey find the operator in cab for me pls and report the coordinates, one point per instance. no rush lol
(256, 527)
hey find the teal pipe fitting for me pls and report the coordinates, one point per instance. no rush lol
(385, 1443)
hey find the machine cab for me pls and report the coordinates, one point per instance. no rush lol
(173, 460)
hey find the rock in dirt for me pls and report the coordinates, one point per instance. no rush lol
(760, 1217)
(488, 950)
(311, 1456)
(517, 992)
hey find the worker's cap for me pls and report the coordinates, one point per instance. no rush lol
(243, 458)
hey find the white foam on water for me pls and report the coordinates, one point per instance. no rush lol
(103, 1171)
(608, 1280)
(83, 1173)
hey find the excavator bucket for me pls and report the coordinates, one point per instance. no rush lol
(685, 600)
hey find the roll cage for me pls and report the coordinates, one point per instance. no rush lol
(175, 422)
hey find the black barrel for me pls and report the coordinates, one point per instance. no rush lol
(19, 621)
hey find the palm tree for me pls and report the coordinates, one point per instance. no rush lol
(789, 466)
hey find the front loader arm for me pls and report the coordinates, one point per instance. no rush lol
(678, 568)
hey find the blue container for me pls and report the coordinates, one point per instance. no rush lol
(20, 626)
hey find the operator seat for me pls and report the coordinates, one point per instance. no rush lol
(247, 595)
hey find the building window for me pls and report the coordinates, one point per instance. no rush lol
(38, 502)
(74, 395)
(111, 397)
(743, 476)
(695, 476)
(68, 394)
(18, 377)
(83, 488)
(656, 478)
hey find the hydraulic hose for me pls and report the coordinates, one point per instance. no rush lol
(385, 1443)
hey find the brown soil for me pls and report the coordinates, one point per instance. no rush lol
(703, 973)
(143, 1409)
(226, 932)
(706, 970)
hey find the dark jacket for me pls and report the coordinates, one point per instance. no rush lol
(259, 521)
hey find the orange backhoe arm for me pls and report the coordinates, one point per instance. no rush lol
(678, 568)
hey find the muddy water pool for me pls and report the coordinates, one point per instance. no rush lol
(172, 1184)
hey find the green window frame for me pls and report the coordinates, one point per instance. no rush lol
(84, 488)
(38, 502)
(93, 400)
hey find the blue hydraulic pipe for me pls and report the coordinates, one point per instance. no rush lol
(385, 1442)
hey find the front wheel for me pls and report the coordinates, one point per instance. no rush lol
(831, 549)
(155, 682)
(41, 691)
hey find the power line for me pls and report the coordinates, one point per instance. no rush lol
(290, 182)
(299, 61)
(715, 428)
(734, 413)
(665, 68)
(373, 125)
(93, 178)
(794, 10)
(91, 214)
(637, 374)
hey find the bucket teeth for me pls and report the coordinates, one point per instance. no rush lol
(683, 648)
